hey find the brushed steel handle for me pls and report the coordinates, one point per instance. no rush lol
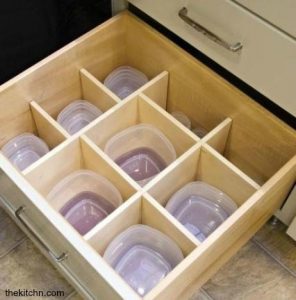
(212, 36)
(18, 213)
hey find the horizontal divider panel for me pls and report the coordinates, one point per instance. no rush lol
(73, 156)
(204, 165)
(96, 92)
(136, 111)
(157, 89)
(217, 138)
(234, 232)
(137, 211)
(48, 129)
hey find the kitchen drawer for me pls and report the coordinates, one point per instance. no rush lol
(248, 153)
(267, 60)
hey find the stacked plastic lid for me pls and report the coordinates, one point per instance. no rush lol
(199, 130)
(142, 151)
(201, 208)
(77, 115)
(24, 150)
(124, 80)
(85, 198)
(143, 256)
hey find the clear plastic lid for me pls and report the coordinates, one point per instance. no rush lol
(142, 256)
(201, 208)
(24, 150)
(125, 80)
(181, 117)
(200, 131)
(145, 236)
(85, 210)
(142, 151)
(83, 181)
(77, 115)
(142, 268)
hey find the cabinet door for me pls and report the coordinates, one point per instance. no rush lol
(267, 60)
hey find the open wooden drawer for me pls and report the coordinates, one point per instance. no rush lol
(248, 153)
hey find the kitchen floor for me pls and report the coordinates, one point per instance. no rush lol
(265, 268)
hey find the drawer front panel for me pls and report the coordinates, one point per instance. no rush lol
(279, 13)
(267, 60)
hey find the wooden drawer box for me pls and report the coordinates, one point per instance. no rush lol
(248, 153)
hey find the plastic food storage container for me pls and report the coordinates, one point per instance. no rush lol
(142, 151)
(84, 198)
(77, 115)
(182, 118)
(124, 80)
(201, 208)
(143, 256)
(24, 150)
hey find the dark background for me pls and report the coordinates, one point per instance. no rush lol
(32, 29)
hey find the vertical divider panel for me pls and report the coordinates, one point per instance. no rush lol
(217, 138)
(233, 169)
(48, 129)
(180, 172)
(96, 92)
(126, 215)
(150, 112)
(93, 150)
(157, 89)
(59, 163)
(158, 217)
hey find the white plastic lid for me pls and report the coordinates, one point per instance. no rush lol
(77, 115)
(181, 117)
(125, 80)
(141, 135)
(83, 181)
(24, 150)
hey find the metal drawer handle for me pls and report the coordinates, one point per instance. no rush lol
(212, 36)
(18, 214)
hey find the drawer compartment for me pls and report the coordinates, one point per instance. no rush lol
(247, 153)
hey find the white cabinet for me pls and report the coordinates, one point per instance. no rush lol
(279, 13)
(267, 61)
